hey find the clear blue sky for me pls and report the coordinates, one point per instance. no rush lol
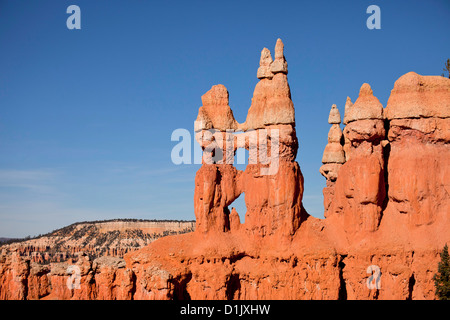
(86, 115)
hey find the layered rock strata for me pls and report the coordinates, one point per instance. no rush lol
(105, 278)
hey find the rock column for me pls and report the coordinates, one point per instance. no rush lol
(360, 189)
(333, 156)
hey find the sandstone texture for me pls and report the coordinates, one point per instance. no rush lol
(386, 203)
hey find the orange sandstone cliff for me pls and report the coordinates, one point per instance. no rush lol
(386, 201)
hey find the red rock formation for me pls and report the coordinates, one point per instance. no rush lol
(419, 134)
(387, 207)
(333, 157)
(273, 200)
(14, 274)
(303, 257)
(358, 195)
(106, 278)
(365, 224)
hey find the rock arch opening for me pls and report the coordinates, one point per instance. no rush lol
(240, 206)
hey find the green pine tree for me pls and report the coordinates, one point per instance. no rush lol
(447, 68)
(442, 277)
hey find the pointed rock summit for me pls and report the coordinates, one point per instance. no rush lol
(367, 106)
(279, 64)
(334, 152)
(264, 65)
(365, 90)
(267, 66)
(348, 106)
(271, 102)
(215, 112)
(335, 116)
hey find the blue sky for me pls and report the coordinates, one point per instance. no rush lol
(86, 116)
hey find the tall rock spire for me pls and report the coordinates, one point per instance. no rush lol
(333, 156)
(271, 102)
(279, 64)
(359, 192)
(264, 65)
(334, 152)
(269, 128)
(348, 106)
